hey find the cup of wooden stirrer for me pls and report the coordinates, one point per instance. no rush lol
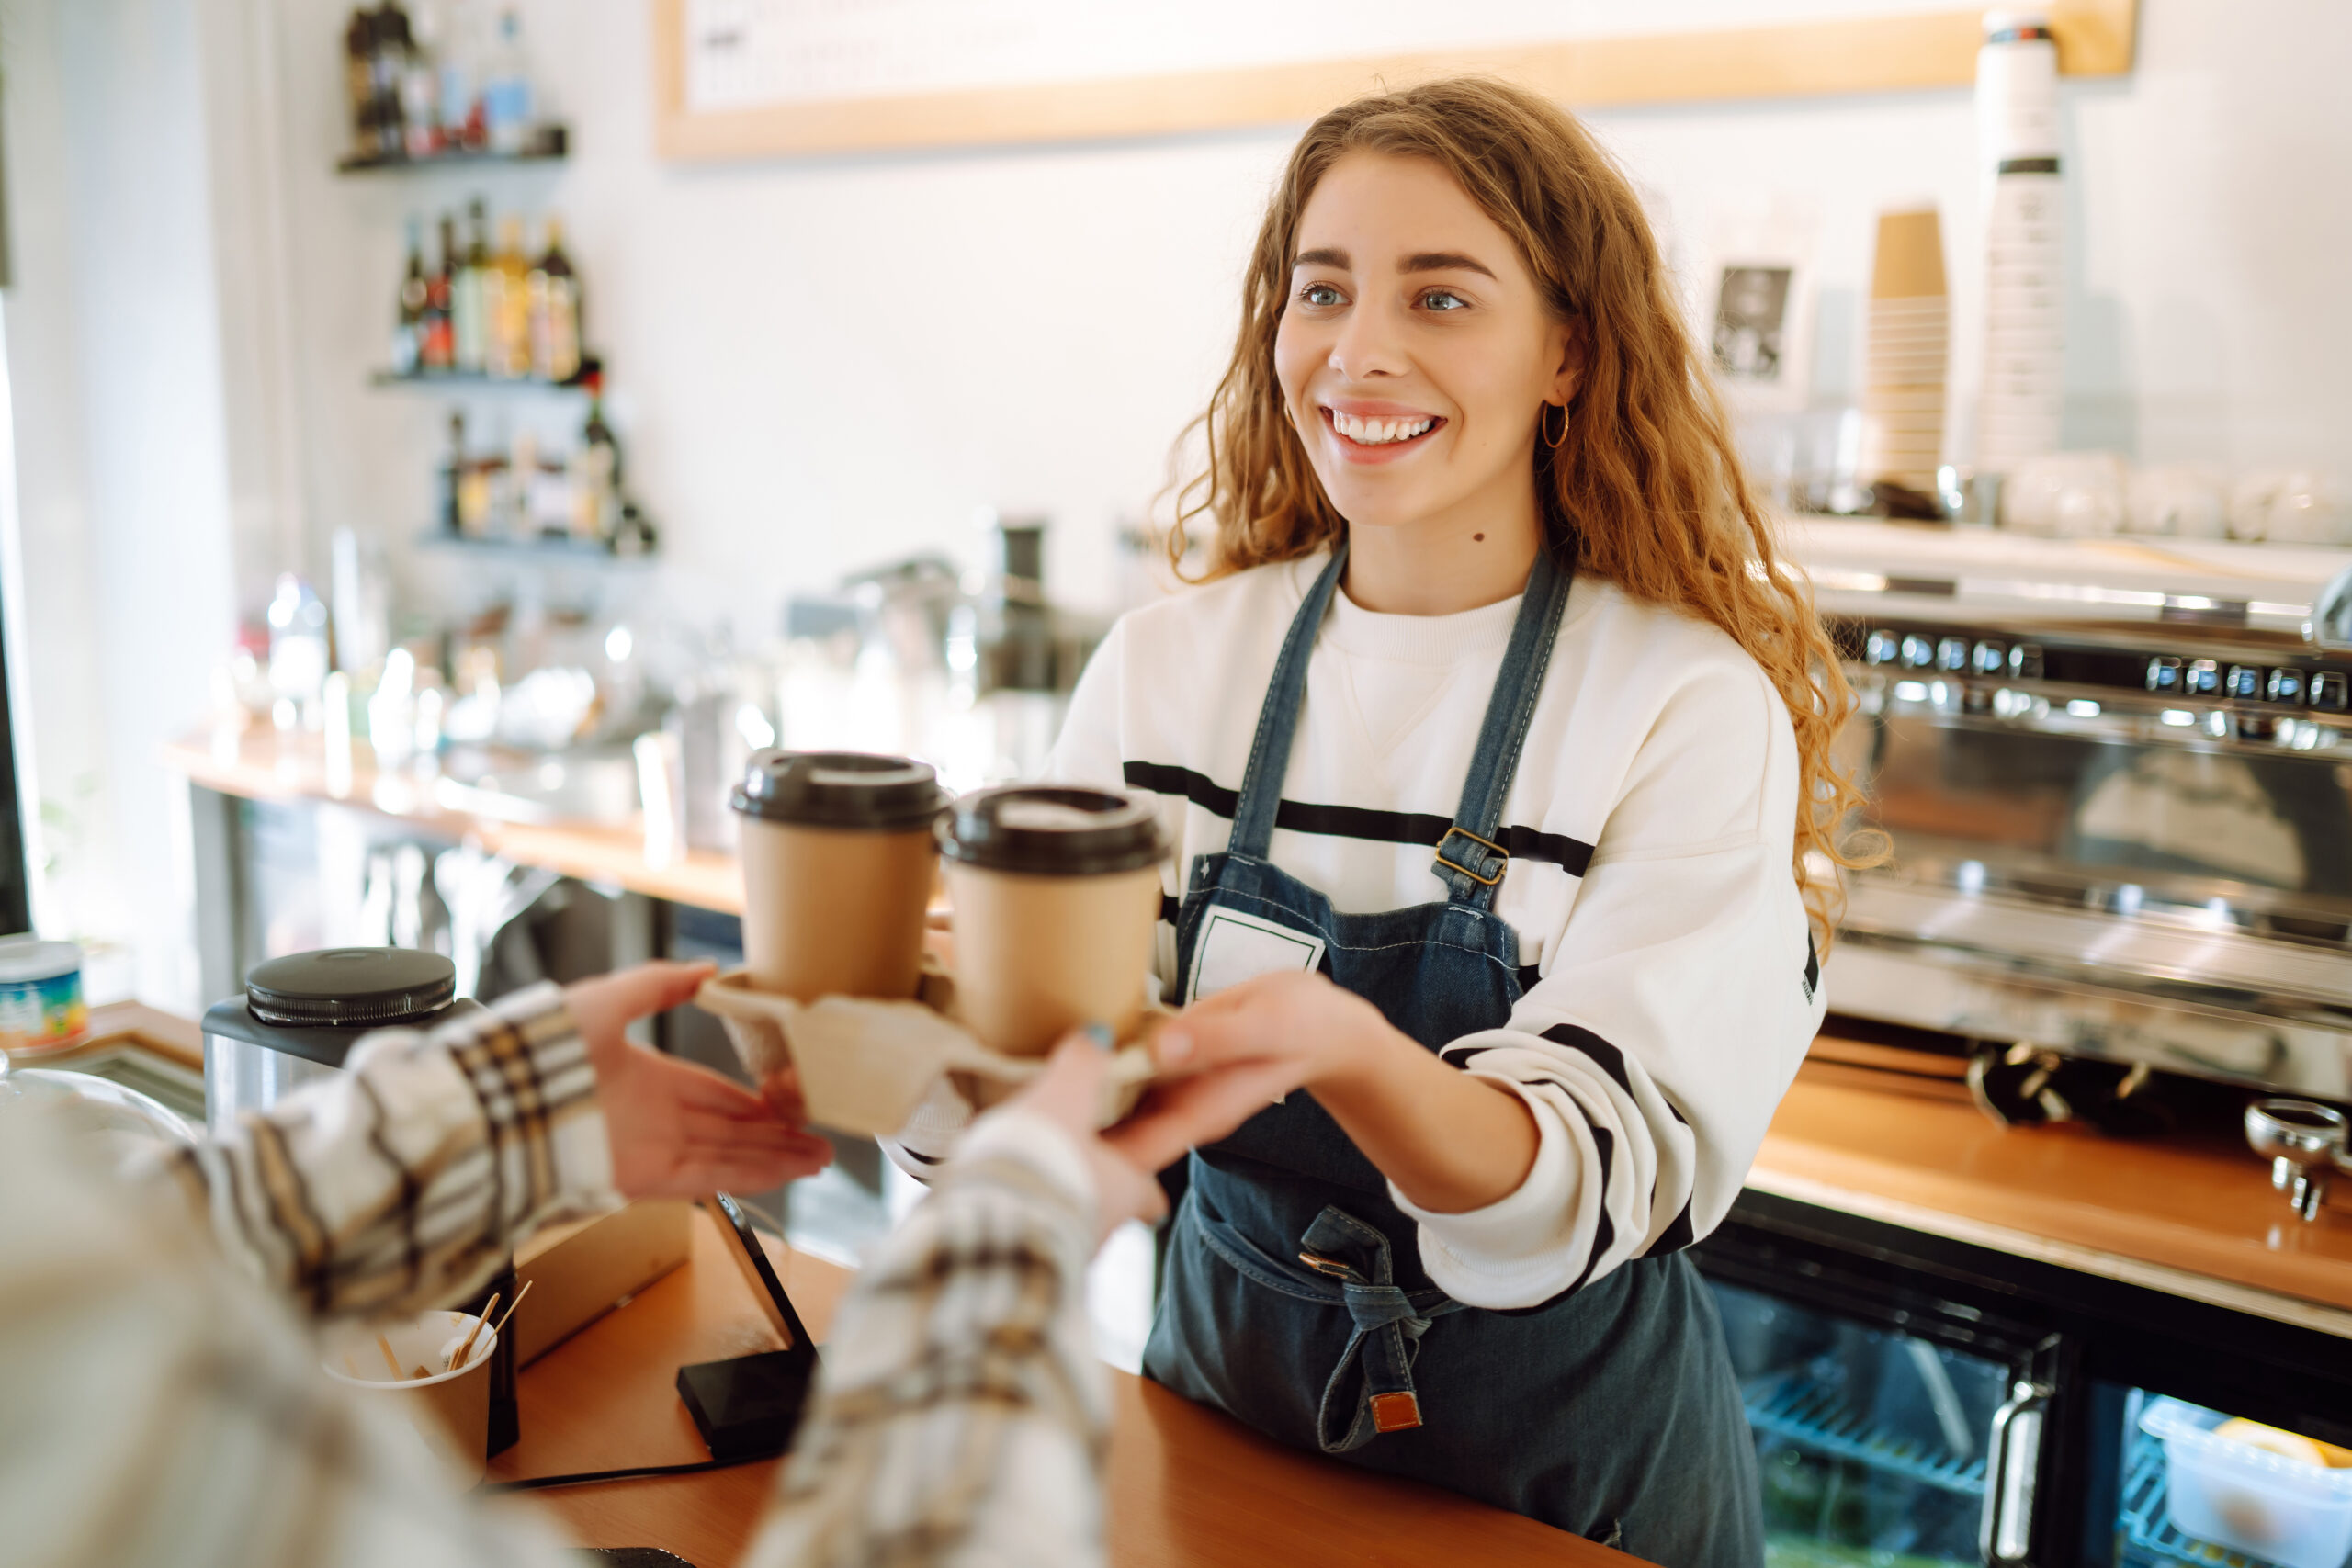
(447, 1413)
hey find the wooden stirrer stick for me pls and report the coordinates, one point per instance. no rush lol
(458, 1360)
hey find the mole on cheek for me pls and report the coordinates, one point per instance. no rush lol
(1477, 538)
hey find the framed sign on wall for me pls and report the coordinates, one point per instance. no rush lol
(752, 78)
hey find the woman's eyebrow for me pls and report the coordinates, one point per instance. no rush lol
(1326, 255)
(1444, 261)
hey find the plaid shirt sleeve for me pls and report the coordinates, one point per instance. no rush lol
(401, 1184)
(960, 1416)
(158, 1408)
(161, 1408)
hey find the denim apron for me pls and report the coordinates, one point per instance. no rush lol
(1294, 1297)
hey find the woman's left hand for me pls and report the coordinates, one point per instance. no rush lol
(678, 1130)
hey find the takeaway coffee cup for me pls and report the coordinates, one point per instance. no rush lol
(1057, 892)
(446, 1412)
(838, 863)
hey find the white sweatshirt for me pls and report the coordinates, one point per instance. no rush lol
(1650, 821)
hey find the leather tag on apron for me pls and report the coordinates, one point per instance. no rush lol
(1233, 947)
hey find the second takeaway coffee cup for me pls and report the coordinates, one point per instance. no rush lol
(838, 863)
(1056, 896)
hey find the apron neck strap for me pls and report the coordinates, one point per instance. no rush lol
(1470, 859)
(1262, 785)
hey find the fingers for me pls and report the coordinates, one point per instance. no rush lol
(698, 1088)
(782, 1091)
(1070, 1092)
(706, 1174)
(639, 991)
(1180, 1113)
(1122, 1193)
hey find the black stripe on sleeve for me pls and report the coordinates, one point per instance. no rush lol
(1811, 966)
(1609, 1059)
(1170, 909)
(1675, 1237)
(1572, 855)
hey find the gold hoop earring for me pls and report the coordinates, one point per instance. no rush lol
(1543, 415)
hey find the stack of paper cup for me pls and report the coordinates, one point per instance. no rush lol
(1910, 344)
(2016, 108)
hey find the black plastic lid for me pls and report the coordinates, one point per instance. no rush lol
(1053, 830)
(840, 789)
(350, 987)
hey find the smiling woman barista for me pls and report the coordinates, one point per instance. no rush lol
(1505, 870)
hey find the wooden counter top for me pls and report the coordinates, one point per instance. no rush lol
(260, 764)
(2194, 1216)
(1188, 1487)
(2189, 1213)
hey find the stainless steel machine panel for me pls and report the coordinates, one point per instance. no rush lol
(2127, 837)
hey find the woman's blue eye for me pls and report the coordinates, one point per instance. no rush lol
(1443, 299)
(1319, 294)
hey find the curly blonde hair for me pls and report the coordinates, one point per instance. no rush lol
(1647, 489)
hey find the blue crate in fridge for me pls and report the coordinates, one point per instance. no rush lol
(1801, 1410)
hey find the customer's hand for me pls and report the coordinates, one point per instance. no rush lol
(1174, 1115)
(1068, 1093)
(679, 1130)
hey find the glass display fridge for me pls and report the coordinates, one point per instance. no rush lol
(1920, 1400)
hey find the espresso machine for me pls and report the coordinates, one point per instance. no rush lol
(2116, 780)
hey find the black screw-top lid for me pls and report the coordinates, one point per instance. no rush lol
(1053, 830)
(350, 987)
(840, 789)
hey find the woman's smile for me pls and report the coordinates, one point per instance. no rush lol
(1367, 432)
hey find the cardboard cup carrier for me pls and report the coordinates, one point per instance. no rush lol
(1055, 892)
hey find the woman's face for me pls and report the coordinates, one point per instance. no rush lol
(1416, 350)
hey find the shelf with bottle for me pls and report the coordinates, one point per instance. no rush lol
(455, 380)
(507, 316)
(635, 543)
(522, 499)
(440, 81)
(545, 144)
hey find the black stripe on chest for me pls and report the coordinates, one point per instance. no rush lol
(1572, 855)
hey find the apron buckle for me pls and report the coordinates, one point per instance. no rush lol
(1399, 1412)
(1502, 856)
(1331, 1266)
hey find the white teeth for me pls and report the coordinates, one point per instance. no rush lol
(1379, 432)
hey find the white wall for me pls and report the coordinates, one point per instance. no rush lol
(822, 363)
(122, 444)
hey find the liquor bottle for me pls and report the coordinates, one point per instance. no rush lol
(507, 89)
(453, 476)
(359, 80)
(440, 341)
(596, 471)
(420, 87)
(409, 328)
(460, 53)
(507, 305)
(468, 310)
(389, 65)
(555, 312)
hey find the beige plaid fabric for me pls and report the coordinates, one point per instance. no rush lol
(160, 1397)
(961, 1418)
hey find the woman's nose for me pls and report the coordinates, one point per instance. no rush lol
(1368, 344)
